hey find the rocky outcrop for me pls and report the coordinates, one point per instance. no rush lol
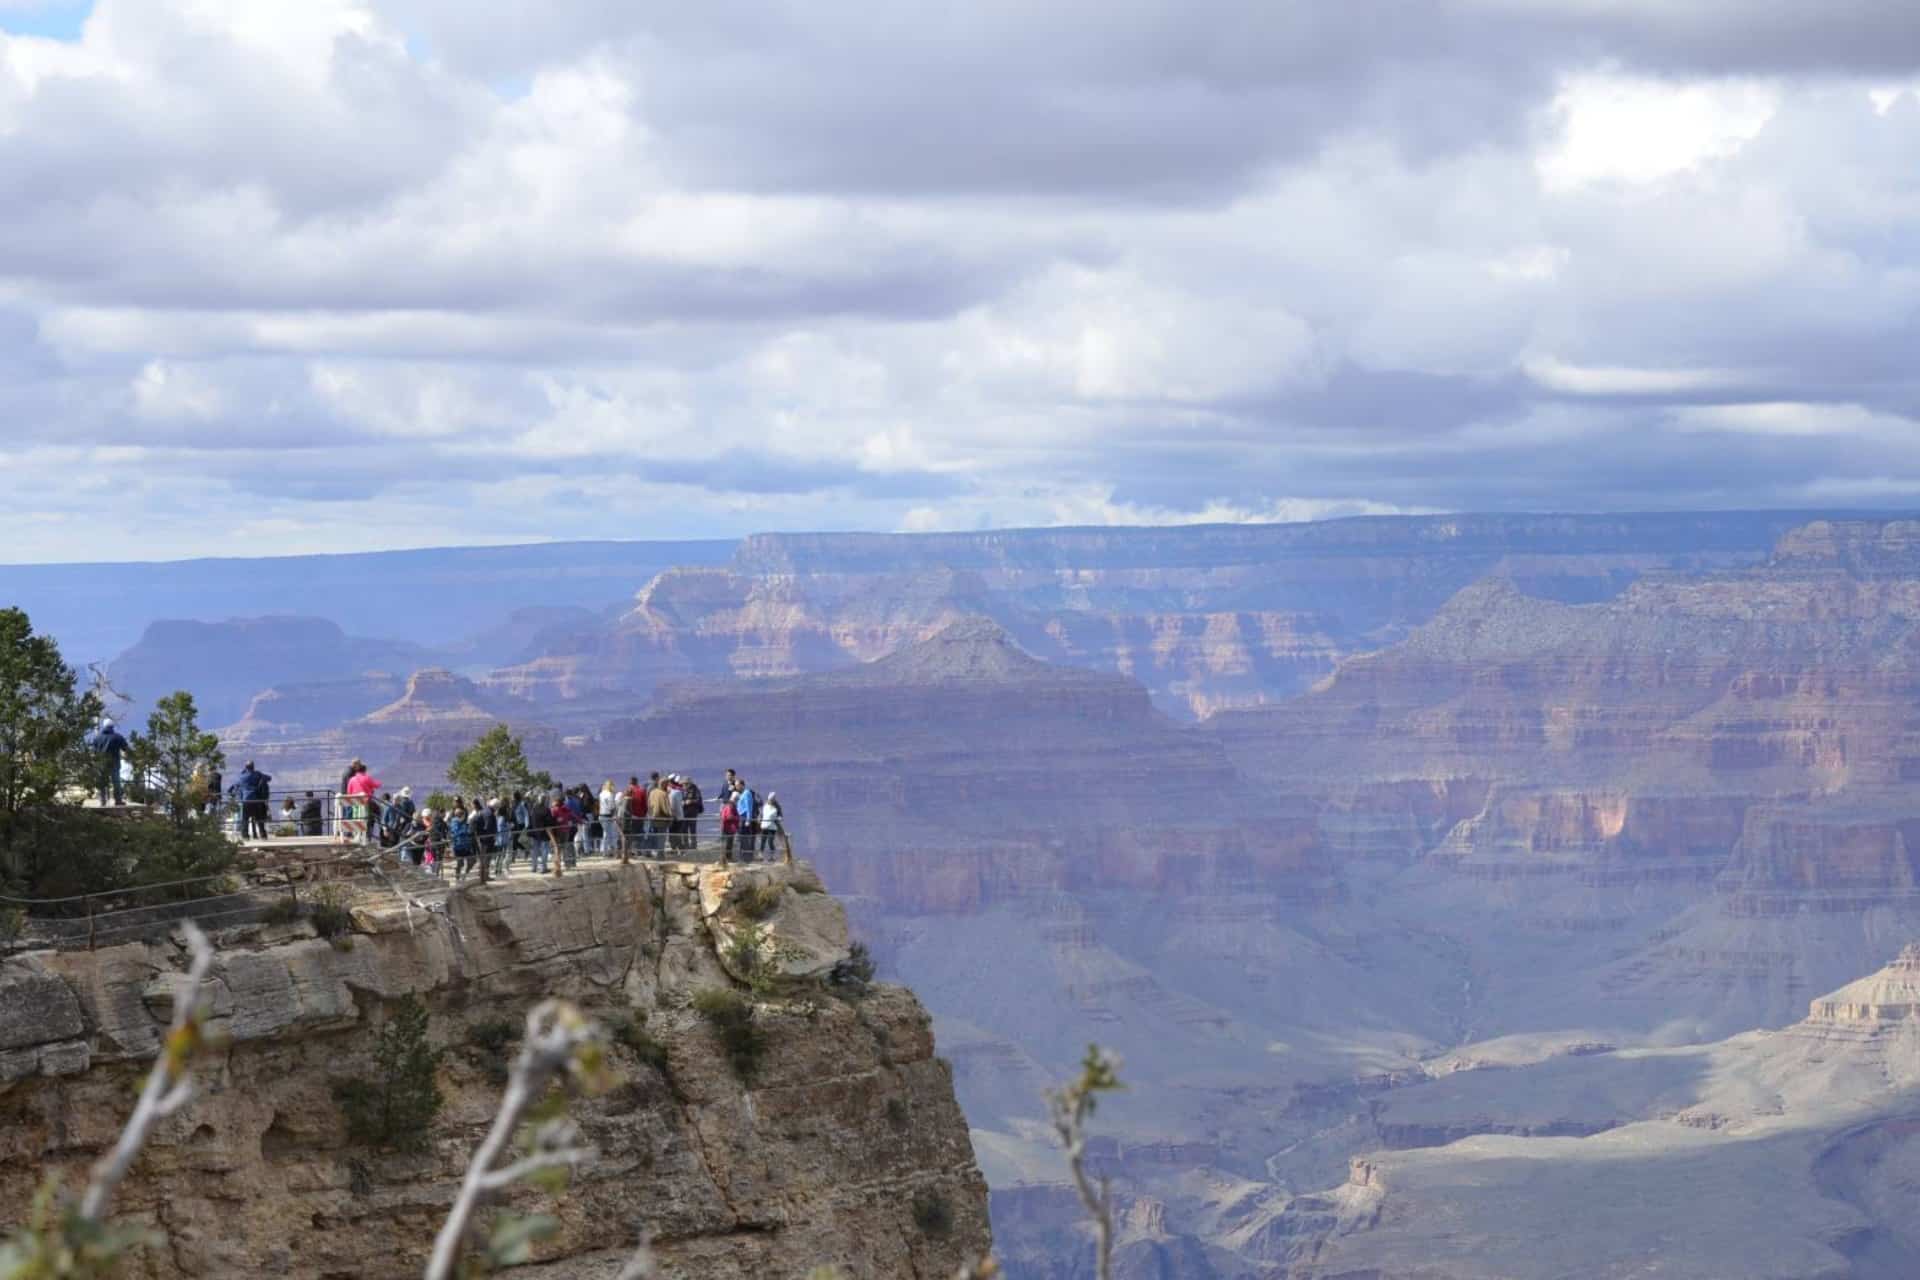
(1784, 1154)
(226, 663)
(819, 1158)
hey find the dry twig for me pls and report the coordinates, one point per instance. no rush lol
(560, 1043)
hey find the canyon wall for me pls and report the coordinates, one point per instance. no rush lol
(829, 1155)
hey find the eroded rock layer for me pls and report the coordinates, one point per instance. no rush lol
(832, 1153)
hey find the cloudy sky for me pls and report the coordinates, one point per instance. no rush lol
(284, 275)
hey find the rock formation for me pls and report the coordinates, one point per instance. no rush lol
(1504, 799)
(1779, 1155)
(820, 1158)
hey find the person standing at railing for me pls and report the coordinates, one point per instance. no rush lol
(433, 842)
(609, 805)
(693, 804)
(677, 802)
(746, 805)
(539, 829)
(769, 823)
(461, 840)
(659, 814)
(311, 822)
(362, 787)
(486, 826)
(633, 817)
(213, 792)
(107, 743)
(253, 789)
(729, 828)
(561, 833)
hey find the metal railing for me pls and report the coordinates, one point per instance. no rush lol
(248, 894)
(304, 821)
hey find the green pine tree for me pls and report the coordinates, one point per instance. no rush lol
(496, 765)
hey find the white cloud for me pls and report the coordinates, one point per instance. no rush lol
(801, 268)
(1632, 129)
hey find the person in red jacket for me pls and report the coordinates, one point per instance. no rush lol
(562, 833)
(729, 828)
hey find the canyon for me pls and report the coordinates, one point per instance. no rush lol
(1413, 866)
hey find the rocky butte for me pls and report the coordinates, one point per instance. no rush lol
(846, 1147)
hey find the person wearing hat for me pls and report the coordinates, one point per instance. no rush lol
(362, 788)
(109, 746)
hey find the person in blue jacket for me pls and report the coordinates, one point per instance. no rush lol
(253, 790)
(109, 746)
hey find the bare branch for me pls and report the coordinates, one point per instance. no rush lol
(1069, 1109)
(169, 1085)
(558, 1043)
(565, 1158)
(640, 1266)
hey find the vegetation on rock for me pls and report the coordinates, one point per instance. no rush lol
(731, 1016)
(396, 1107)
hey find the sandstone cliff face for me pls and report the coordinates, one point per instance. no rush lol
(818, 1160)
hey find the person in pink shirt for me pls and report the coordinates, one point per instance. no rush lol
(362, 787)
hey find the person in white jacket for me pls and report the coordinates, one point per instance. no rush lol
(609, 818)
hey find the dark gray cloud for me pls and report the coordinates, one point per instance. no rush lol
(404, 271)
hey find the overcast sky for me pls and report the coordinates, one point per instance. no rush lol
(288, 275)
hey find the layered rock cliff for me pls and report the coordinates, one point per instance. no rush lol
(845, 1147)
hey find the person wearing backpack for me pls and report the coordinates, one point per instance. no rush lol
(486, 827)
(539, 834)
(460, 840)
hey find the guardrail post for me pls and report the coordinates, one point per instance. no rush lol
(89, 923)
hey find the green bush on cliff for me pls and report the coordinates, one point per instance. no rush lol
(631, 1030)
(329, 912)
(731, 1016)
(758, 901)
(396, 1108)
(932, 1213)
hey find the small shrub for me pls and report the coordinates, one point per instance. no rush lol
(897, 1114)
(932, 1213)
(493, 1035)
(758, 901)
(396, 1108)
(13, 922)
(731, 1016)
(856, 972)
(631, 1031)
(281, 911)
(755, 959)
(492, 1040)
(329, 912)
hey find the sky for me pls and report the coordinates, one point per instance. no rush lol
(309, 275)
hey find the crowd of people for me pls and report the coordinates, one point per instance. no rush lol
(552, 830)
(658, 818)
